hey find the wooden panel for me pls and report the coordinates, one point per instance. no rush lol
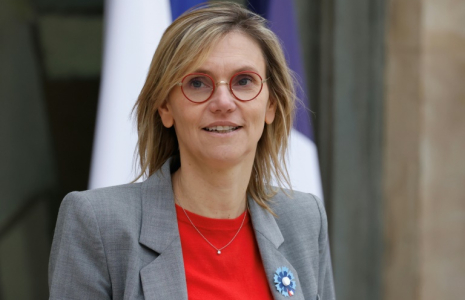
(402, 161)
(442, 151)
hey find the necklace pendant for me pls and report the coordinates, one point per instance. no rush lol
(218, 251)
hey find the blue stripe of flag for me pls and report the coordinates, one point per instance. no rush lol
(283, 22)
(178, 7)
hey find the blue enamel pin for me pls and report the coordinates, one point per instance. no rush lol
(285, 282)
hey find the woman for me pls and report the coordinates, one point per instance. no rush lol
(213, 119)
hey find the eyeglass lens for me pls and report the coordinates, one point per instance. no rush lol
(244, 86)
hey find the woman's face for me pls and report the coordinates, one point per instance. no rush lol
(196, 124)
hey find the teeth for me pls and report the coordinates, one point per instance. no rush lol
(221, 129)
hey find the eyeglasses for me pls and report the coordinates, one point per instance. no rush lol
(199, 87)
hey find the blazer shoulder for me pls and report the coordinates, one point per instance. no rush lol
(298, 210)
(294, 202)
(118, 197)
(110, 205)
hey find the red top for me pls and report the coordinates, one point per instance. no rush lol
(236, 273)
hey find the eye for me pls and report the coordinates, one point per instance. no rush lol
(198, 82)
(244, 81)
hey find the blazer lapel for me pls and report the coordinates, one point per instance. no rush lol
(163, 278)
(269, 238)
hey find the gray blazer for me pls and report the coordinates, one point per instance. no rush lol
(123, 242)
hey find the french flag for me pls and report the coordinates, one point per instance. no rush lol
(304, 169)
(132, 32)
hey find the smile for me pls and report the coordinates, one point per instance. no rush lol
(221, 129)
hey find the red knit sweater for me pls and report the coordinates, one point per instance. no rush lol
(237, 273)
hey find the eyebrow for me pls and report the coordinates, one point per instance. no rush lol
(237, 70)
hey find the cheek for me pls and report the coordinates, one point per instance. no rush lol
(180, 113)
(257, 117)
(186, 121)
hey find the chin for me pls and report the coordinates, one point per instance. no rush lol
(225, 159)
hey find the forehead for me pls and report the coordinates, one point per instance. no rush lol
(233, 53)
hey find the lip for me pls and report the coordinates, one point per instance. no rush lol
(224, 134)
(222, 123)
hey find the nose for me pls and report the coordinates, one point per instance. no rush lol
(222, 99)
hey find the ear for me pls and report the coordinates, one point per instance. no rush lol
(270, 111)
(166, 114)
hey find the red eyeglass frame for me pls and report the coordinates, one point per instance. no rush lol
(215, 84)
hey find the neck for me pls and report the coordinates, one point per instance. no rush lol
(218, 193)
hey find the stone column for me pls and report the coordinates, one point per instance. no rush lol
(424, 162)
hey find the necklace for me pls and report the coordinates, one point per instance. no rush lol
(218, 250)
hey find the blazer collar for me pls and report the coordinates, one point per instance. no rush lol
(269, 239)
(265, 224)
(159, 223)
(164, 277)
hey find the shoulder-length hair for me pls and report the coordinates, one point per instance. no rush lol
(183, 47)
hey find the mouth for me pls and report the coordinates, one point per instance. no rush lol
(222, 129)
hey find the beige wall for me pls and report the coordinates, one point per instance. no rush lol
(443, 151)
(425, 150)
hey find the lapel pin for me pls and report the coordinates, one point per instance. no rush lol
(285, 282)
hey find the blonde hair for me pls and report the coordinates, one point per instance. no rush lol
(183, 47)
